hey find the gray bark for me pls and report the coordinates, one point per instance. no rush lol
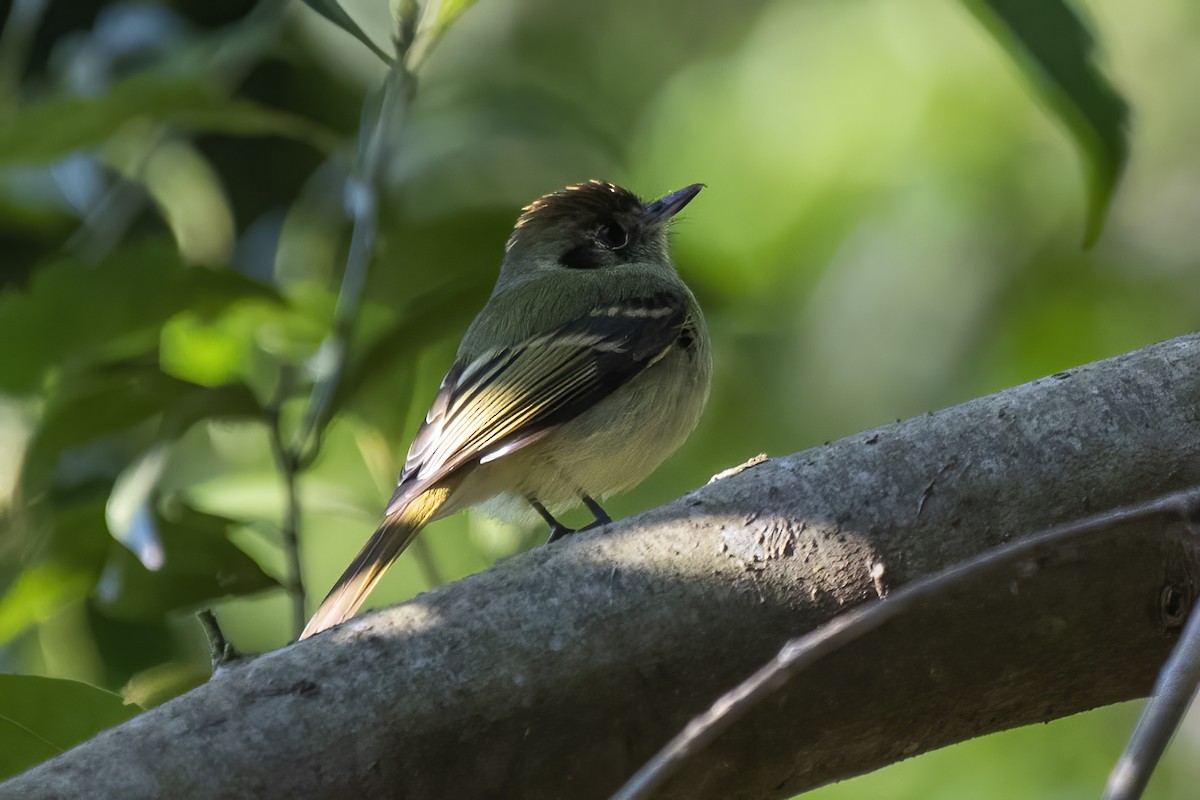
(558, 672)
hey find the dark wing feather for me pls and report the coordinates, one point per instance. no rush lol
(508, 398)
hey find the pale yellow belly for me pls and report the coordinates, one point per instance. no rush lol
(605, 450)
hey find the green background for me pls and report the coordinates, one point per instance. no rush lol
(898, 193)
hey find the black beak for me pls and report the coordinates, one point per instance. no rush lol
(664, 208)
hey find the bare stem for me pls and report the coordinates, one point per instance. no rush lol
(220, 649)
(362, 203)
(289, 467)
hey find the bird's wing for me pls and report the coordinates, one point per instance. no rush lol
(508, 398)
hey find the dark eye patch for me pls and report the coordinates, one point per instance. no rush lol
(584, 256)
(590, 254)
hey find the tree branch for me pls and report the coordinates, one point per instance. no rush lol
(1015, 556)
(559, 672)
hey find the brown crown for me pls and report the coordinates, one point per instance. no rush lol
(591, 200)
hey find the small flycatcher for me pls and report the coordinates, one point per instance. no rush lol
(587, 367)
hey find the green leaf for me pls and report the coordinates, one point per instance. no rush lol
(218, 349)
(199, 565)
(53, 128)
(333, 11)
(448, 11)
(48, 130)
(157, 684)
(73, 544)
(116, 398)
(247, 118)
(71, 312)
(38, 593)
(42, 717)
(1054, 48)
(186, 189)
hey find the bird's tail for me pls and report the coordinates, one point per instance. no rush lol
(393, 535)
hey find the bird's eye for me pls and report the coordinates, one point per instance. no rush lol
(612, 236)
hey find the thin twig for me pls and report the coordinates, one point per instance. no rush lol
(289, 467)
(801, 653)
(362, 202)
(222, 652)
(1173, 694)
(362, 193)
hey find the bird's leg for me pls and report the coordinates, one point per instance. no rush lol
(602, 518)
(557, 529)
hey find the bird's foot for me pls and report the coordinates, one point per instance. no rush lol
(558, 531)
(602, 517)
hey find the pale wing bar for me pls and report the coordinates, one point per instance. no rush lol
(505, 398)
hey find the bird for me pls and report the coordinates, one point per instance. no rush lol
(589, 365)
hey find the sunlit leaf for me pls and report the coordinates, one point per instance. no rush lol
(158, 684)
(70, 548)
(130, 510)
(73, 313)
(212, 350)
(447, 13)
(333, 11)
(184, 186)
(42, 717)
(38, 593)
(429, 34)
(1055, 49)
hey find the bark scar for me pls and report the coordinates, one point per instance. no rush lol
(729, 473)
(928, 491)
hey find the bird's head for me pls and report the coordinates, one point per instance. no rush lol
(593, 225)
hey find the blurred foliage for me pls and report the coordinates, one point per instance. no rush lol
(41, 717)
(1056, 49)
(892, 225)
